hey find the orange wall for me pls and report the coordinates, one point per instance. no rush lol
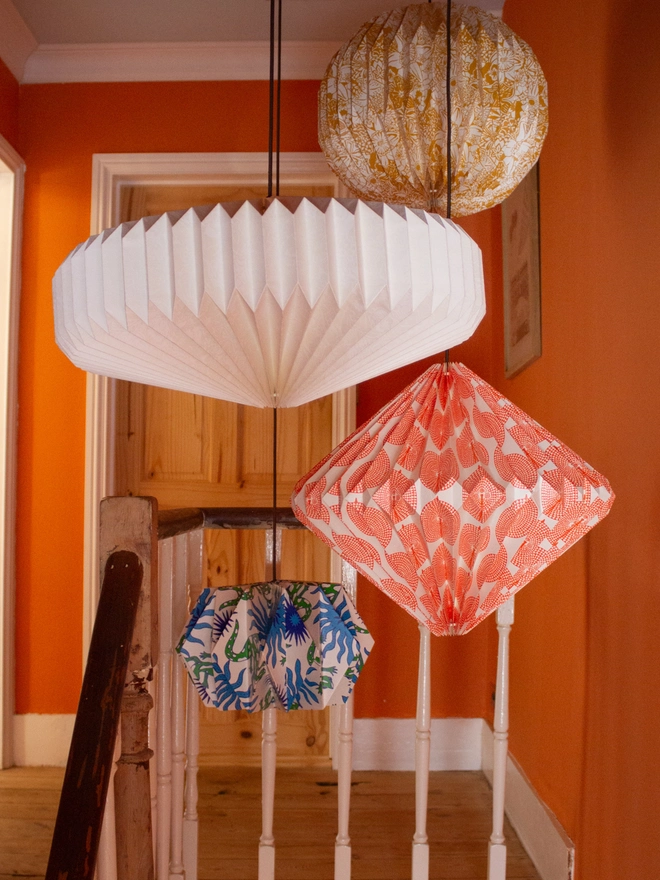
(8, 104)
(585, 686)
(61, 127)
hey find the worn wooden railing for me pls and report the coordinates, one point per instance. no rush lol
(153, 571)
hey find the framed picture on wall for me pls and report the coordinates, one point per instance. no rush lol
(522, 275)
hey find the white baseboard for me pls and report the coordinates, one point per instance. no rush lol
(537, 827)
(42, 740)
(389, 744)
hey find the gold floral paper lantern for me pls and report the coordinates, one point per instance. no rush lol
(383, 109)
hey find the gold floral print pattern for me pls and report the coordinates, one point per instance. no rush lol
(383, 112)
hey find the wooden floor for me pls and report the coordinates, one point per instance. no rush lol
(381, 825)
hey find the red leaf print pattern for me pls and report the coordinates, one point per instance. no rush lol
(528, 440)
(415, 545)
(355, 480)
(378, 471)
(441, 428)
(356, 549)
(316, 509)
(491, 567)
(398, 434)
(401, 594)
(473, 540)
(440, 520)
(516, 521)
(388, 499)
(463, 387)
(397, 497)
(469, 450)
(439, 472)
(557, 494)
(481, 495)
(459, 413)
(370, 521)
(515, 469)
(403, 566)
(488, 425)
(355, 445)
(426, 413)
(444, 566)
(412, 451)
(368, 447)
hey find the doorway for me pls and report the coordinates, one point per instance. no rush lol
(12, 171)
(191, 451)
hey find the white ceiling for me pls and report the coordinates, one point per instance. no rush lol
(149, 21)
(58, 41)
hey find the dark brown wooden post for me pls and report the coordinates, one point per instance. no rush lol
(131, 523)
(78, 826)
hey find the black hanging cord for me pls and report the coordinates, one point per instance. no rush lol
(271, 97)
(274, 127)
(279, 96)
(448, 87)
(274, 515)
(274, 98)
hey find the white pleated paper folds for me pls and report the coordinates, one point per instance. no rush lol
(268, 302)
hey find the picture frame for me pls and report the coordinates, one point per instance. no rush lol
(521, 253)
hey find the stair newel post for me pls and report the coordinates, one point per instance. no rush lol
(132, 523)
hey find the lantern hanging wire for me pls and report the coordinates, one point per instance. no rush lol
(274, 126)
(448, 88)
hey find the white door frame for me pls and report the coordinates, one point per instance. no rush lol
(111, 171)
(12, 172)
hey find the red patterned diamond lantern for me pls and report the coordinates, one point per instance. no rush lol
(451, 499)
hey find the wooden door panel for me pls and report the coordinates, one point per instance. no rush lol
(192, 451)
(228, 738)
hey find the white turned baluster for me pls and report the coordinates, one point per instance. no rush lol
(164, 732)
(106, 865)
(268, 765)
(179, 614)
(344, 757)
(268, 750)
(420, 850)
(497, 846)
(195, 578)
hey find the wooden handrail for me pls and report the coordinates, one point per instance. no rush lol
(78, 826)
(176, 522)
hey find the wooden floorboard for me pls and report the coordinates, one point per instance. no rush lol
(382, 824)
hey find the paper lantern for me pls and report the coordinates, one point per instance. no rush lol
(383, 109)
(451, 499)
(269, 302)
(282, 644)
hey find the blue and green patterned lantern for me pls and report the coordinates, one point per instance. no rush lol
(282, 644)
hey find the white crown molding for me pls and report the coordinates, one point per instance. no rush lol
(163, 62)
(16, 40)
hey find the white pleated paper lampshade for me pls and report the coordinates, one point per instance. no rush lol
(268, 302)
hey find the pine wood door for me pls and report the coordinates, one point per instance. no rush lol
(192, 451)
